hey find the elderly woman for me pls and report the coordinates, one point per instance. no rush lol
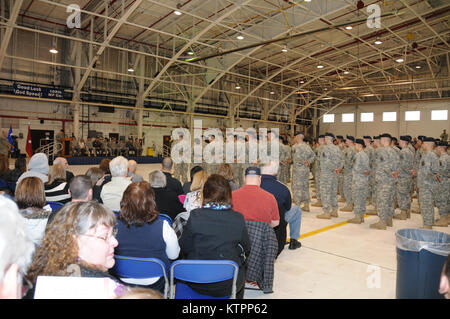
(216, 232)
(166, 200)
(30, 197)
(57, 188)
(142, 234)
(80, 241)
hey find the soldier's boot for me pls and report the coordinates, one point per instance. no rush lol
(408, 213)
(380, 225)
(358, 219)
(317, 204)
(372, 212)
(334, 213)
(401, 216)
(305, 207)
(442, 222)
(325, 215)
(415, 211)
(426, 227)
(389, 222)
(347, 208)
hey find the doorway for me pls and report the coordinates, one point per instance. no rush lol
(40, 138)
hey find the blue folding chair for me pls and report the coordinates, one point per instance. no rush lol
(55, 205)
(204, 272)
(166, 217)
(137, 268)
(12, 186)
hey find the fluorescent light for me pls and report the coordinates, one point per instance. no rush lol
(53, 50)
(190, 53)
(418, 67)
(272, 92)
(176, 12)
(378, 41)
(284, 49)
(399, 60)
(240, 37)
(320, 66)
(237, 87)
(307, 0)
(346, 72)
(349, 27)
(302, 81)
(130, 69)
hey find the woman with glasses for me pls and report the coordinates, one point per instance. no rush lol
(142, 234)
(79, 242)
(216, 232)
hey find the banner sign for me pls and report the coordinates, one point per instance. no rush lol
(37, 91)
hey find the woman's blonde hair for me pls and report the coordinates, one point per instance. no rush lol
(199, 180)
(59, 247)
(56, 171)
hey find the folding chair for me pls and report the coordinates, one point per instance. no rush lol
(137, 268)
(201, 271)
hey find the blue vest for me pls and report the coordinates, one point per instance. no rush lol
(142, 241)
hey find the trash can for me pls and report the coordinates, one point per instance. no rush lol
(421, 255)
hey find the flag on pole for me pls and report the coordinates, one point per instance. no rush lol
(29, 147)
(10, 139)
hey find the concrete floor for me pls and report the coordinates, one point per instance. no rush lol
(349, 261)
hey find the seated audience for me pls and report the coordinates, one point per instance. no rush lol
(216, 232)
(255, 203)
(226, 171)
(173, 184)
(57, 189)
(111, 193)
(289, 213)
(167, 200)
(95, 174)
(194, 197)
(142, 234)
(30, 197)
(16, 250)
(187, 185)
(132, 167)
(80, 189)
(141, 293)
(80, 241)
(37, 166)
(20, 167)
(65, 164)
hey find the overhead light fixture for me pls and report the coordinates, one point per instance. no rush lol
(346, 72)
(190, 53)
(400, 60)
(349, 27)
(307, 0)
(320, 66)
(176, 12)
(240, 37)
(238, 87)
(53, 51)
(272, 92)
(301, 82)
(378, 41)
(418, 67)
(284, 49)
(130, 69)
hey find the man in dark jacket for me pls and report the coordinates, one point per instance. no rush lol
(289, 213)
(173, 184)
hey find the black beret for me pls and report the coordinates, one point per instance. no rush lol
(442, 143)
(376, 137)
(428, 139)
(329, 134)
(394, 139)
(321, 136)
(339, 136)
(386, 135)
(360, 141)
(420, 137)
(405, 138)
(367, 137)
(351, 138)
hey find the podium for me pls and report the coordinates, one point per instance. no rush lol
(66, 150)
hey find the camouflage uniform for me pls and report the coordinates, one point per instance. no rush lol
(428, 185)
(404, 182)
(443, 198)
(317, 171)
(330, 160)
(360, 182)
(341, 176)
(349, 158)
(301, 152)
(181, 169)
(285, 155)
(370, 151)
(387, 163)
